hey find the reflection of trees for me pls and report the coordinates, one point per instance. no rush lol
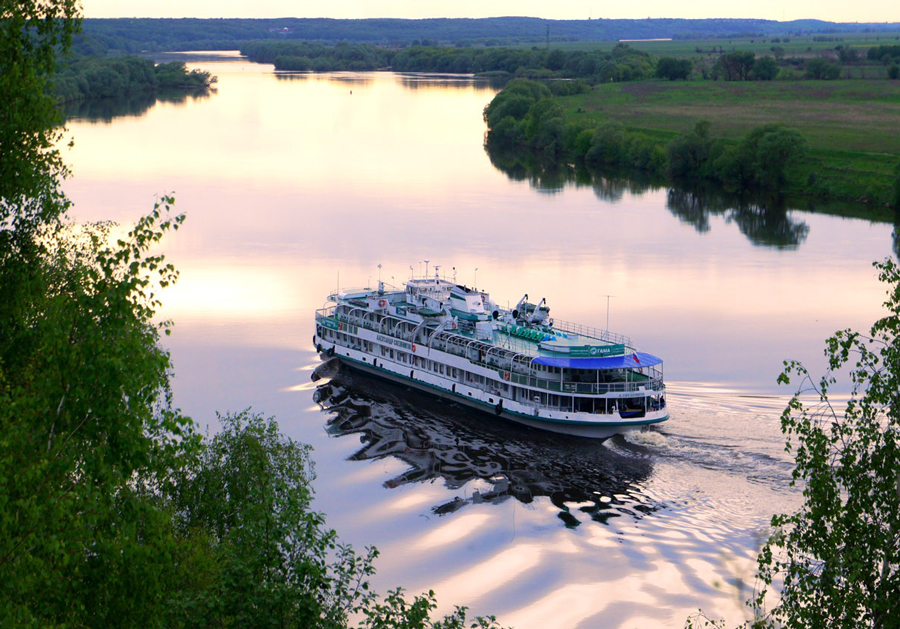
(348, 78)
(765, 223)
(551, 175)
(443, 81)
(410, 81)
(438, 440)
(895, 235)
(769, 225)
(612, 184)
(544, 175)
(691, 208)
(105, 109)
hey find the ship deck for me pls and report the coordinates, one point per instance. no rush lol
(563, 339)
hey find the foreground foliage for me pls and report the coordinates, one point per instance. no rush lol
(31, 32)
(260, 556)
(839, 555)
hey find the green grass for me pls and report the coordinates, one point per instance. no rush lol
(852, 127)
(796, 47)
(852, 115)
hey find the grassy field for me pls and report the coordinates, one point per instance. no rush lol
(793, 46)
(851, 126)
(705, 52)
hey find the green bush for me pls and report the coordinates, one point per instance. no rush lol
(822, 69)
(764, 69)
(673, 69)
(689, 154)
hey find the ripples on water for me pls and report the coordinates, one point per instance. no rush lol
(647, 528)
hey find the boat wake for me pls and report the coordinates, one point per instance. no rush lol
(647, 438)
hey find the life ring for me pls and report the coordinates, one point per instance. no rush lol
(340, 326)
(414, 347)
(506, 375)
(381, 303)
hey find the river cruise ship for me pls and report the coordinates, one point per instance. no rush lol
(515, 363)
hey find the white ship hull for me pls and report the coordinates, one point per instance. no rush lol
(594, 426)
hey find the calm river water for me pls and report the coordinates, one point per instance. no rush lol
(293, 184)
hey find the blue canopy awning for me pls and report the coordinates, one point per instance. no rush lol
(638, 359)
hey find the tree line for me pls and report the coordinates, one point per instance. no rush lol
(621, 63)
(132, 35)
(741, 65)
(88, 77)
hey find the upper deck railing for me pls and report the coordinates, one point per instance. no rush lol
(595, 333)
(509, 369)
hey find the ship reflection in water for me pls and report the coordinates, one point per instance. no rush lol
(584, 479)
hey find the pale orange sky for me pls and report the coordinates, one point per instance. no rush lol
(831, 10)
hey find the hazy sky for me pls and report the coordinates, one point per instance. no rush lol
(833, 10)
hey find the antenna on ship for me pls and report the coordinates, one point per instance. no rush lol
(454, 275)
(426, 269)
(476, 279)
(607, 315)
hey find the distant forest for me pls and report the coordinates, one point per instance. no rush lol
(131, 35)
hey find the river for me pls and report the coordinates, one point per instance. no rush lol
(294, 184)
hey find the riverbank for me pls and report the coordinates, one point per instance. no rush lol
(849, 127)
